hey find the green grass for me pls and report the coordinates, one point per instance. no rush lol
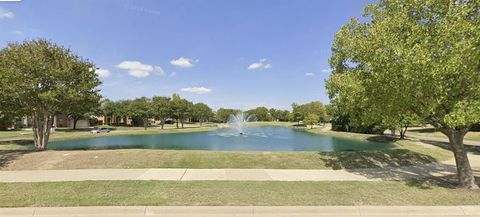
(219, 193)
(141, 158)
(475, 136)
(15, 133)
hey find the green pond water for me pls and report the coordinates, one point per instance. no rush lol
(253, 139)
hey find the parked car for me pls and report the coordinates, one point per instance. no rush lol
(100, 130)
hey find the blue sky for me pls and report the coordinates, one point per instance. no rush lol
(226, 53)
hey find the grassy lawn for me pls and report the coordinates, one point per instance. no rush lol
(15, 133)
(431, 132)
(123, 193)
(404, 154)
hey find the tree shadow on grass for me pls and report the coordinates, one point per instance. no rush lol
(418, 175)
(445, 145)
(447, 181)
(8, 156)
(424, 130)
(23, 146)
(417, 170)
(382, 138)
(374, 159)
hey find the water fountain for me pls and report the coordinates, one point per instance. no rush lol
(237, 122)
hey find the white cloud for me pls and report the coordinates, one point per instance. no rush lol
(138, 73)
(4, 13)
(102, 73)
(18, 32)
(261, 64)
(326, 70)
(140, 70)
(196, 90)
(309, 74)
(173, 74)
(183, 62)
(135, 65)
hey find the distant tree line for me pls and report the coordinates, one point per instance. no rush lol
(158, 107)
(316, 111)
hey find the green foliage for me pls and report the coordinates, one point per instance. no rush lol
(223, 114)
(260, 114)
(161, 108)
(202, 112)
(311, 119)
(7, 118)
(140, 108)
(280, 115)
(40, 79)
(40, 75)
(411, 57)
(300, 112)
(182, 108)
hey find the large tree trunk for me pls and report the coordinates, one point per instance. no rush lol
(403, 130)
(464, 170)
(177, 123)
(162, 122)
(201, 123)
(75, 123)
(145, 123)
(182, 123)
(41, 126)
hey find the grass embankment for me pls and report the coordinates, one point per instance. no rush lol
(404, 153)
(217, 193)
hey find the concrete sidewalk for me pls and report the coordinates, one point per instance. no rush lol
(181, 175)
(245, 211)
(369, 174)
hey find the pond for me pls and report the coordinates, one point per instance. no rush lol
(268, 138)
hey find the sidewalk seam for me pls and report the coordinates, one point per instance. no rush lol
(464, 213)
(184, 172)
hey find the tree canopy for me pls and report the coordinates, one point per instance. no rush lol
(300, 112)
(202, 112)
(419, 58)
(40, 79)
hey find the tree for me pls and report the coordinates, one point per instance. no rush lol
(223, 114)
(260, 114)
(311, 119)
(7, 118)
(279, 115)
(162, 108)
(301, 111)
(43, 79)
(181, 108)
(141, 108)
(83, 108)
(420, 58)
(202, 112)
(108, 109)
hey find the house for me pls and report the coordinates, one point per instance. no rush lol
(59, 121)
(114, 120)
(62, 121)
